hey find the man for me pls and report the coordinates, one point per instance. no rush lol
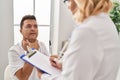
(19, 69)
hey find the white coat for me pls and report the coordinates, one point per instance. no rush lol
(93, 52)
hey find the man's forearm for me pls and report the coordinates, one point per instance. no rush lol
(27, 69)
(25, 72)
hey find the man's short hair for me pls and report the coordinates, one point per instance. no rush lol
(26, 17)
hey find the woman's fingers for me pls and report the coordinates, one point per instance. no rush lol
(54, 62)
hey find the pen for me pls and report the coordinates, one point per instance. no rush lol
(59, 59)
(61, 53)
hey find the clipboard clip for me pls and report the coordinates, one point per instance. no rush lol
(30, 51)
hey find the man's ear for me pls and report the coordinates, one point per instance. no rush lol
(21, 31)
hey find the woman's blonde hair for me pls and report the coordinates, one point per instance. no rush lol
(86, 8)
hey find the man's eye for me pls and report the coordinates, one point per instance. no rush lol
(35, 26)
(28, 26)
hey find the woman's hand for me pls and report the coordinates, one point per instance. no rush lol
(54, 62)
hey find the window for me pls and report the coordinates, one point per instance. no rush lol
(41, 9)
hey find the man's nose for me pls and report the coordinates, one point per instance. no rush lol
(33, 28)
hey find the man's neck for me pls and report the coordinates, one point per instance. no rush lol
(32, 41)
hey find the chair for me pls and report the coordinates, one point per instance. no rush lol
(7, 73)
(118, 75)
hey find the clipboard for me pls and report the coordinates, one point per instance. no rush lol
(41, 62)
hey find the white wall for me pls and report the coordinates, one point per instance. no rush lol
(61, 25)
(6, 33)
(66, 23)
(54, 25)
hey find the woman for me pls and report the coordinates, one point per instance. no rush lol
(94, 49)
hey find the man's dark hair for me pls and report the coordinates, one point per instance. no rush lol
(26, 17)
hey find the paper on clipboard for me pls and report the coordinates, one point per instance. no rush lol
(42, 62)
